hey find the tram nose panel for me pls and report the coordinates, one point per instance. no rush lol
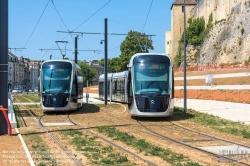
(152, 104)
(55, 100)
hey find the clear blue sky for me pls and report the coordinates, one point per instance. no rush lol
(83, 16)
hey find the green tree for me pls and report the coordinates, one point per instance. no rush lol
(134, 43)
(114, 65)
(101, 62)
(194, 32)
(95, 61)
(92, 72)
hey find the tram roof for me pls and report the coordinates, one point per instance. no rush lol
(63, 60)
(109, 75)
(138, 54)
(120, 74)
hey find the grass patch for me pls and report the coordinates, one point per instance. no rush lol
(40, 148)
(144, 146)
(28, 98)
(94, 150)
(18, 115)
(214, 122)
(32, 106)
(37, 112)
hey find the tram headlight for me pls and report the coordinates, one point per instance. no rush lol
(67, 99)
(43, 98)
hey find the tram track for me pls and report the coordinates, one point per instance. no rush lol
(66, 151)
(164, 137)
(208, 136)
(149, 131)
(80, 127)
(182, 143)
(112, 143)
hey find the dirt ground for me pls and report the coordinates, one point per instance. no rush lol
(12, 151)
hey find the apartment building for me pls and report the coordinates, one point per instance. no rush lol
(22, 73)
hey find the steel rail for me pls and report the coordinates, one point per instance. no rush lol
(190, 146)
(112, 143)
(209, 136)
(58, 143)
(53, 138)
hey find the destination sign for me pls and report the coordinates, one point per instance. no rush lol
(152, 66)
(56, 70)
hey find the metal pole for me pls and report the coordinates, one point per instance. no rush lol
(110, 91)
(76, 49)
(106, 60)
(185, 88)
(3, 63)
(87, 95)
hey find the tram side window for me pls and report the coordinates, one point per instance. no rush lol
(119, 87)
(101, 88)
(114, 86)
(122, 84)
(80, 84)
(73, 92)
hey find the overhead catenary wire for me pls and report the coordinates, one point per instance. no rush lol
(147, 16)
(102, 52)
(92, 15)
(37, 23)
(122, 24)
(59, 15)
(61, 18)
(81, 23)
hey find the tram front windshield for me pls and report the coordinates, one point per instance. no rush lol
(152, 79)
(56, 80)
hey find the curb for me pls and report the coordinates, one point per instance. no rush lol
(25, 148)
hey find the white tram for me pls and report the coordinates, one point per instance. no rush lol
(61, 85)
(147, 86)
(150, 85)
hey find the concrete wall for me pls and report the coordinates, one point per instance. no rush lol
(177, 25)
(219, 8)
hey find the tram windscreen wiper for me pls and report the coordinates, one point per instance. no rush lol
(157, 93)
(63, 87)
(151, 83)
(58, 92)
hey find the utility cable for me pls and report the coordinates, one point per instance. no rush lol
(61, 20)
(102, 52)
(59, 15)
(81, 23)
(147, 15)
(37, 24)
(122, 24)
(92, 15)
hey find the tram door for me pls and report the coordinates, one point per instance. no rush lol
(129, 90)
(114, 89)
(118, 89)
(101, 90)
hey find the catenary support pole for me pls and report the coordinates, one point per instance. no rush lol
(106, 60)
(76, 51)
(185, 63)
(3, 63)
